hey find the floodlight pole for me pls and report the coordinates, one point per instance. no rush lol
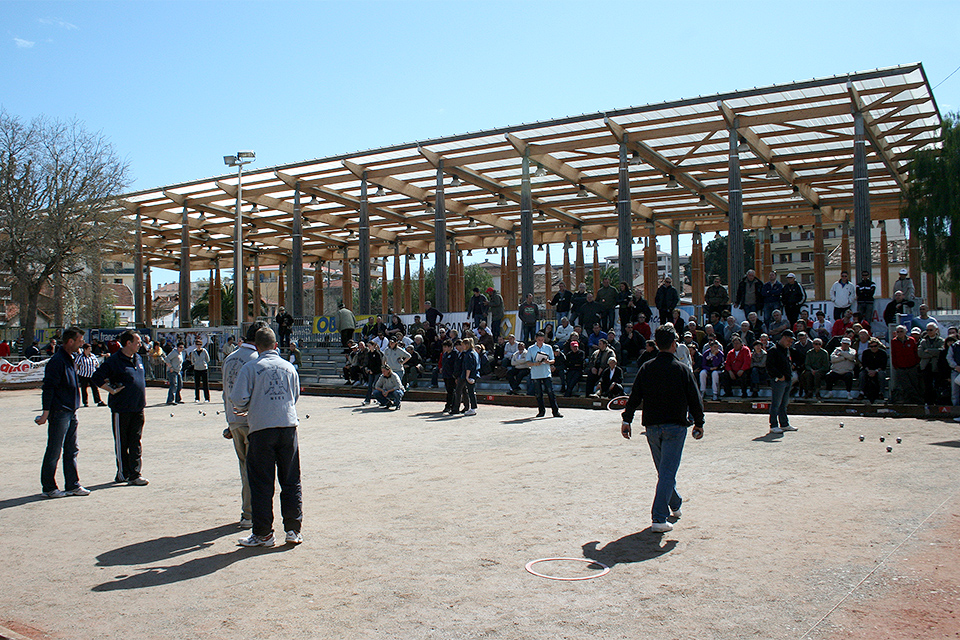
(239, 279)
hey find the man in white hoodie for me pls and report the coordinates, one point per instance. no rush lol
(843, 294)
(266, 391)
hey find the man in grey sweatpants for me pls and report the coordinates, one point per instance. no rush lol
(267, 390)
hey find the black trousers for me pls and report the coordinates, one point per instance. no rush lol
(274, 454)
(450, 384)
(200, 379)
(88, 382)
(346, 335)
(127, 431)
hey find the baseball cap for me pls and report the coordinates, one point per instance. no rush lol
(845, 341)
(489, 289)
(792, 275)
(903, 272)
(574, 343)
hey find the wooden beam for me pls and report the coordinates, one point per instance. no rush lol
(876, 136)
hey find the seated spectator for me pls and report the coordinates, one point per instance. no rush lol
(816, 365)
(484, 335)
(593, 340)
(691, 346)
(737, 367)
(747, 335)
(352, 372)
(928, 350)
(840, 326)
(611, 380)
(778, 325)
(821, 327)
(649, 352)
(798, 355)
(905, 386)
(563, 331)
(803, 323)
(711, 365)
(575, 360)
(842, 362)
(695, 330)
(642, 327)
(548, 333)
(758, 369)
(519, 369)
(709, 335)
(756, 324)
(598, 362)
(631, 344)
(873, 371)
(897, 307)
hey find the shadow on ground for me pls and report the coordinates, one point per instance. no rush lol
(167, 548)
(636, 547)
(38, 497)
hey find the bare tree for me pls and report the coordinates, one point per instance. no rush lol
(58, 183)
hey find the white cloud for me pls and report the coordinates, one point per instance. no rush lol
(58, 22)
(23, 44)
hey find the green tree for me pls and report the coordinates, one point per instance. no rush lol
(610, 271)
(715, 258)
(931, 204)
(201, 308)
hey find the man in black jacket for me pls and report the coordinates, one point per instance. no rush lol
(666, 300)
(562, 301)
(780, 370)
(60, 399)
(666, 389)
(792, 297)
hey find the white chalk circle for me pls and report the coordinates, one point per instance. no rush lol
(529, 567)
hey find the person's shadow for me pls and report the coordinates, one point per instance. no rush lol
(162, 550)
(636, 547)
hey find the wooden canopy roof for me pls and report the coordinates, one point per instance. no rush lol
(796, 156)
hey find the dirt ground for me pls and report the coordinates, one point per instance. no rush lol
(419, 526)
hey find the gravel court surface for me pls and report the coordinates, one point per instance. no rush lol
(419, 526)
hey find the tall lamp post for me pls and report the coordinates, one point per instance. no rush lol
(239, 281)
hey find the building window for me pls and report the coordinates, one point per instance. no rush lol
(786, 236)
(118, 281)
(785, 258)
(806, 256)
(806, 235)
(806, 278)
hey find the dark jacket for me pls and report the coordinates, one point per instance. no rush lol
(667, 299)
(779, 364)
(793, 295)
(742, 290)
(589, 315)
(448, 364)
(771, 292)
(60, 389)
(716, 296)
(894, 307)
(866, 290)
(666, 389)
(120, 370)
(562, 300)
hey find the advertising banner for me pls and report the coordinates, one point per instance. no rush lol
(24, 371)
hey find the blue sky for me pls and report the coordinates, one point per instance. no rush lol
(177, 85)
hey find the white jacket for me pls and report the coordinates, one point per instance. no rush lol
(843, 295)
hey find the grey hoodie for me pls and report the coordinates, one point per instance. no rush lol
(267, 389)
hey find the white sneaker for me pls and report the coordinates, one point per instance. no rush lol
(788, 428)
(294, 537)
(661, 527)
(253, 540)
(365, 402)
(470, 412)
(79, 490)
(56, 493)
(675, 513)
(245, 523)
(776, 430)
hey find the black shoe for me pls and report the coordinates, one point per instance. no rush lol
(101, 404)
(541, 414)
(557, 414)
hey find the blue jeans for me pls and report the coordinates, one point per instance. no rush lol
(768, 309)
(666, 445)
(61, 436)
(541, 385)
(779, 402)
(392, 396)
(529, 334)
(176, 384)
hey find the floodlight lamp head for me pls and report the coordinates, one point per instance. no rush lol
(230, 161)
(672, 182)
(455, 182)
(246, 154)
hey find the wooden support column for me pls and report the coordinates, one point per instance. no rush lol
(932, 291)
(548, 277)
(441, 283)
(240, 278)
(281, 288)
(148, 296)
(845, 247)
(566, 265)
(579, 266)
(296, 259)
(767, 254)
(452, 303)
(137, 278)
(346, 290)
(596, 267)
(211, 300)
(318, 290)
(257, 303)
(461, 282)
(397, 282)
(624, 227)
(422, 286)
(384, 291)
(819, 259)
(884, 262)
(407, 291)
(513, 301)
(757, 257)
(363, 252)
(650, 265)
(526, 229)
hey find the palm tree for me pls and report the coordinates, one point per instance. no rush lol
(201, 309)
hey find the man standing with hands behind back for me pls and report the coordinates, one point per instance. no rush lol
(267, 390)
(668, 392)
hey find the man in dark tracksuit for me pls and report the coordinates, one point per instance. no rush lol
(780, 370)
(61, 398)
(448, 366)
(122, 376)
(668, 392)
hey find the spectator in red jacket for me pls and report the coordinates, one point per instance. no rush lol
(736, 368)
(905, 384)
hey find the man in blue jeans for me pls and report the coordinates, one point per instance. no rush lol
(668, 392)
(780, 370)
(61, 398)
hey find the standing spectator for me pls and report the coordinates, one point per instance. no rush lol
(432, 315)
(174, 361)
(228, 347)
(285, 326)
(668, 393)
(873, 371)
(780, 371)
(267, 390)
(793, 297)
(346, 324)
(640, 306)
(122, 376)
(716, 298)
(237, 428)
(470, 364)
(578, 299)
(497, 313)
(562, 301)
(87, 365)
(798, 354)
(624, 305)
(575, 360)
(770, 293)
(607, 299)
(371, 367)
(448, 366)
(4, 349)
(395, 356)
(478, 307)
(816, 365)
(748, 292)
(737, 366)
(51, 348)
(843, 360)
(842, 294)
(905, 386)
(666, 300)
(896, 307)
(713, 361)
(866, 289)
(904, 284)
(60, 400)
(388, 388)
(590, 314)
(953, 361)
(928, 350)
(529, 314)
(541, 358)
(200, 359)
